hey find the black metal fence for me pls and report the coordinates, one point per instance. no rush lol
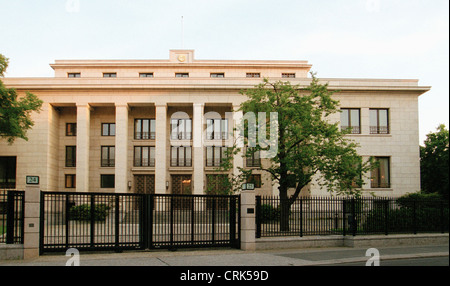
(12, 214)
(350, 216)
(100, 221)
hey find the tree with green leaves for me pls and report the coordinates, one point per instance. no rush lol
(309, 147)
(15, 112)
(434, 162)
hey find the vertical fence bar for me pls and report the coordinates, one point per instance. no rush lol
(233, 221)
(301, 217)
(10, 206)
(414, 217)
(116, 221)
(258, 216)
(442, 216)
(92, 209)
(344, 219)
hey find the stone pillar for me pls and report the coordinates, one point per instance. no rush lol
(31, 229)
(238, 160)
(121, 159)
(198, 152)
(248, 224)
(161, 149)
(83, 136)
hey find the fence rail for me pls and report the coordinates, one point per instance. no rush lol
(12, 214)
(349, 216)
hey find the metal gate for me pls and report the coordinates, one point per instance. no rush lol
(105, 221)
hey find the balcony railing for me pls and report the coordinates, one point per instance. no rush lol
(379, 129)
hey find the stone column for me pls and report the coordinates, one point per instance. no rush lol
(31, 222)
(160, 148)
(238, 160)
(198, 155)
(121, 159)
(248, 224)
(83, 136)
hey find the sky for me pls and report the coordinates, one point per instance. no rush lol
(398, 39)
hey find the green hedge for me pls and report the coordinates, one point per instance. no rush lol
(269, 213)
(412, 212)
(83, 212)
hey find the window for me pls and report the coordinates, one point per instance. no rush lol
(379, 121)
(255, 179)
(381, 176)
(216, 129)
(108, 156)
(288, 75)
(253, 74)
(144, 156)
(108, 129)
(71, 129)
(181, 74)
(8, 172)
(253, 159)
(144, 129)
(74, 75)
(181, 156)
(70, 181)
(107, 181)
(147, 74)
(350, 120)
(217, 75)
(215, 155)
(109, 74)
(181, 129)
(71, 156)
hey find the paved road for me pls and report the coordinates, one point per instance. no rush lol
(428, 261)
(234, 257)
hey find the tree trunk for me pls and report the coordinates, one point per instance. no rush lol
(285, 207)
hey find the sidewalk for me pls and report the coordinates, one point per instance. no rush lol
(234, 257)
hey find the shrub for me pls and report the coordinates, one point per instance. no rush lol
(269, 213)
(83, 212)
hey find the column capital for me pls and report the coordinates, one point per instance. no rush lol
(87, 105)
(123, 105)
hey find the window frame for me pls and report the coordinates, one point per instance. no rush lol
(253, 75)
(108, 162)
(150, 160)
(73, 75)
(212, 162)
(104, 176)
(146, 75)
(288, 75)
(257, 182)
(71, 162)
(377, 129)
(72, 182)
(74, 129)
(109, 129)
(354, 129)
(217, 75)
(254, 162)
(151, 129)
(181, 74)
(175, 133)
(211, 132)
(379, 184)
(110, 75)
(187, 162)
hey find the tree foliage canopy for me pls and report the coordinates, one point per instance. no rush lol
(15, 113)
(434, 169)
(310, 145)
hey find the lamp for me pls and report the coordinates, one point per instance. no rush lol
(167, 185)
(129, 185)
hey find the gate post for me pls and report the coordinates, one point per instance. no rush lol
(32, 222)
(248, 224)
